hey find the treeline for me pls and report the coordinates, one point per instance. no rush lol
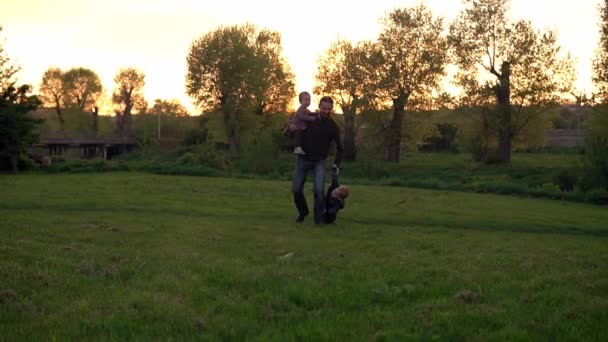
(509, 80)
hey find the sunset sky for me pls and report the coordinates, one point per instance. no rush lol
(155, 35)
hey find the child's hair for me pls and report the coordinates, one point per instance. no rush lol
(341, 192)
(301, 95)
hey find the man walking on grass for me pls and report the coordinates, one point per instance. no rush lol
(316, 140)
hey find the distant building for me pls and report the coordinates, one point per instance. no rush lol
(565, 137)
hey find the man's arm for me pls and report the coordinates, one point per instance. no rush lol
(334, 181)
(339, 146)
(305, 115)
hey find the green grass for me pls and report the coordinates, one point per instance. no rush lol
(122, 256)
(541, 174)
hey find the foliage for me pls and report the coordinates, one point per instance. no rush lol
(79, 124)
(237, 70)
(533, 136)
(278, 86)
(262, 152)
(595, 162)
(52, 92)
(76, 124)
(509, 65)
(128, 93)
(567, 179)
(173, 107)
(51, 88)
(478, 132)
(414, 59)
(128, 97)
(205, 154)
(76, 92)
(600, 61)
(17, 126)
(7, 69)
(173, 128)
(82, 88)
(166, 123)
(444, 138)
(346, 72)
(530, 174)
(198, 135)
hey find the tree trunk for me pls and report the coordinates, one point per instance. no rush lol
(349, 134)
(119, 123)
(231, 131)
(95, 121)
(60, 117)
(395, 127)
(14, 160)
(505, 124)
(126, 125)
(504, 146)
(233, 140)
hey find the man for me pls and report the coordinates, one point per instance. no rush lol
(316, 140)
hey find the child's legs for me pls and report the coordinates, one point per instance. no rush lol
(297, 138)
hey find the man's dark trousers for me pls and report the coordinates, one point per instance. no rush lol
(303, 167)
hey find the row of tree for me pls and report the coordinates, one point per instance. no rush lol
(507, 73)
(80, 89)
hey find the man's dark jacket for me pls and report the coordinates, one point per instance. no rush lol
(317, 138)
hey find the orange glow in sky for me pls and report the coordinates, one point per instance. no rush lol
(155, 35)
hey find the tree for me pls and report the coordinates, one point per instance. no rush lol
(347, 73)
(7, 69)
(595, 164)
(168, 107)
(169, 110)
(82, 92)
(600, 62)
(278, 88)
(17, 127)
(237, 70)
(82, 88)
(519, 66)
(128, 96)
(414, 60)
(52, 92)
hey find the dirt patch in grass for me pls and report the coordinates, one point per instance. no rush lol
(7, 295)
(467, 296)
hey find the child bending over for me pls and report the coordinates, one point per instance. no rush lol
(335, 197)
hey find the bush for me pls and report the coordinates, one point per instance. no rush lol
(595, 165)
(208, 155)
(566, 179)
(88, 166)
(443, 140)
(195, 136)
(189, 158)
(597, 197)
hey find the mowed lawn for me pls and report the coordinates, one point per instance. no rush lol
(128, 256)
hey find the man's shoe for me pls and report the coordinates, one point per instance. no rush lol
(301, 217)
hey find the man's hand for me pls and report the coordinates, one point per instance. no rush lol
(335, 169)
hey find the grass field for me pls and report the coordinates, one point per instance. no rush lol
(555, 175)
(129, 256)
